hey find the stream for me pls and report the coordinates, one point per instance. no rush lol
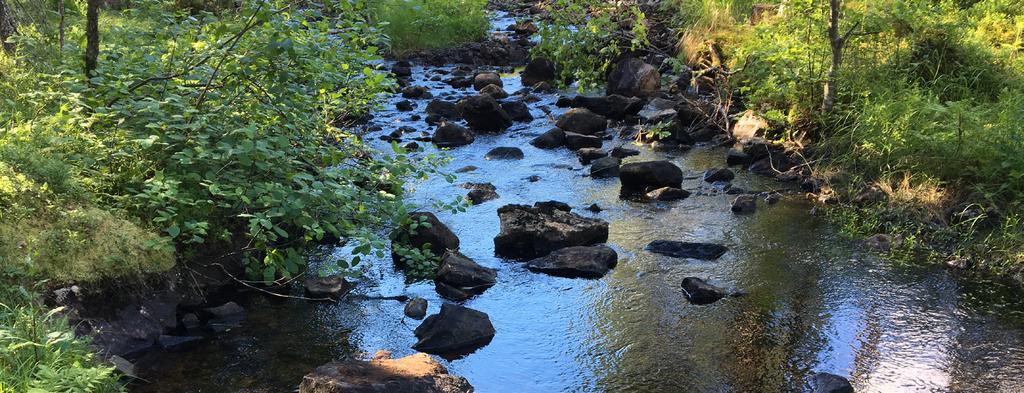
(816, 302)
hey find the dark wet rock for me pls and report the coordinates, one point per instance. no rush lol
(737, 157)
(178, 342)
(333, 287)
(532, 98)
(668, 194)
(582, 121)
(455, 330)
(676, 249)
(614, 106)
(460, 278)
(531, 232)
(401, 70)
(191, 322)
(605, 167)
(578, 141)
(633, 78)
(484, 79)
(733, 190)
(416, 308)
(538, 70)
(411, 146)
(459, 82)
(883, 242)
(414, 92)
(657, 116)
(523, 27)
(517, 111)
(452, 135)
(504, 153)
(689, 115)
(435, 233)
(533, 178)
(480, 192)
(405, 106)
(684, 80)
(831, 383)
(576, 262)
(772, 198)
(483, 113)
(744, 204)
(637, 177)
(467, 168)
(229, 311)
(418, 373)
(494, 91)
(623, 152)
(589, 154)
(444, 109)
(594, 208)
(699, 292)
(563, 102)
(550, 139)
(718, 174)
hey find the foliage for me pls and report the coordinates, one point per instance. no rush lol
(411, 25)
(39, 351)
(931, 90)
(583, 38)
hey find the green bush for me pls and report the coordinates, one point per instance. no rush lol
(412, 25)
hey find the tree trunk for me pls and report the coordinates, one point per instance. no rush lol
(836, 42)
(60, 9)
(92, 36)
(8, 27)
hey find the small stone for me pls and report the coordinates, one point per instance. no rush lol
(744, 204)
(467, 168)
(504, 153)
(594, 208)
(668, 194)
(718, 174)
(405, 105)
(416, 308)
(831, 383)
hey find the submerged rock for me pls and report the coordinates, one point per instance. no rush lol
(531, 232)
(504, 153)
(637, 177)
(416, 308)
(831, 383)
(633, 78)
(455, 331)
(333, 287)
(676, 249)
(418, 373)
(582, 121)
(699, 292)
(576, 262)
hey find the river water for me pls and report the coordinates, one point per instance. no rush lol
(816, 301)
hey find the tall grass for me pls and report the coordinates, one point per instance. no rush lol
(412, 25)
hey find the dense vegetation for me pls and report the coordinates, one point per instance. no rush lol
(927, 110)
(204, 129)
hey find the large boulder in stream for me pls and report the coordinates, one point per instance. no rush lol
(676, 249)
(538, 70)
(550, 139)
(614, 106)
(483, 113)
(453, 332)
(633, 78)
(699, 292)
(428, 230)
(639, 177)
(417, 373)
(452, 135)
(460, 277)
(532, 232)
(576, 262)
(582, 121)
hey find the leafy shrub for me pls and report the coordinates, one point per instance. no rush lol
(411, 25)
(581, 38)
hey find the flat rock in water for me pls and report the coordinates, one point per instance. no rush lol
(589, 154)
(605, 167)
(676, 249)
(699, 292)
(576, 262)
(665, 194)
(531, 232)
(550, 139)
(229, 311)
(613, 106)
(455, 331)
(623, 152)
(464, 276)
(578, 141)
(327, 287)
(418, 373)
(504, 153)
(636, 177)
(480, 192)
(718, 174)
(582, 121)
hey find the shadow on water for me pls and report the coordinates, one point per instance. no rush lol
(814, 303)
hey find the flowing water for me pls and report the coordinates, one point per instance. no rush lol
(815, 302)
